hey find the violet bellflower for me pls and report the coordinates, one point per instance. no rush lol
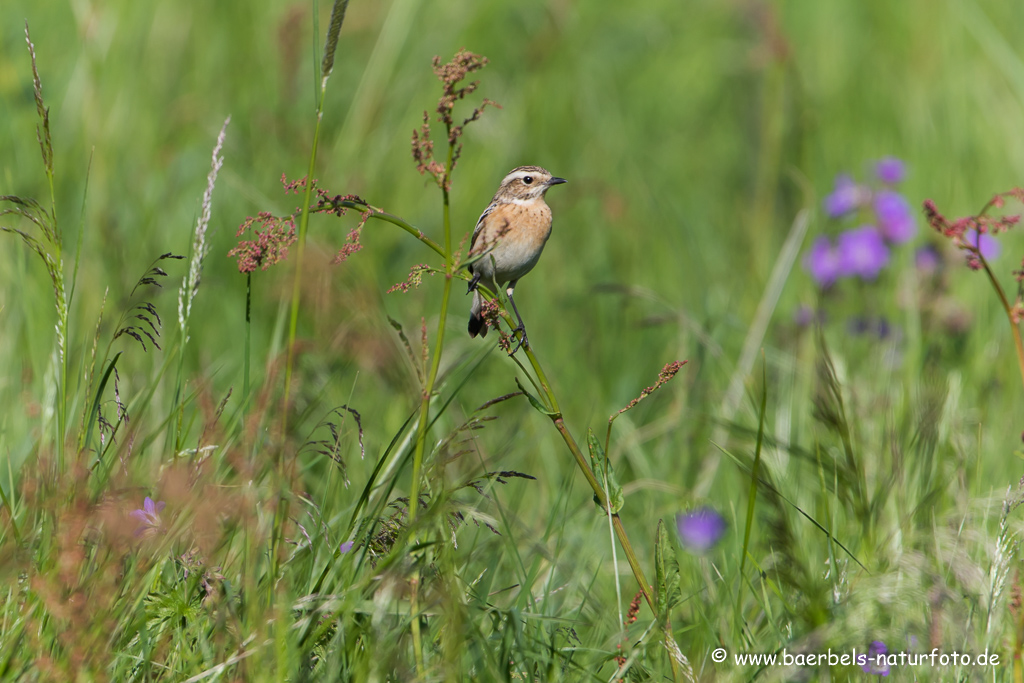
(862, 252)
(847, 196)
(699, 530)
(927, 259)
(895, 219)
(823, 262)
(876, 663)
(148, 517)
(890, 170)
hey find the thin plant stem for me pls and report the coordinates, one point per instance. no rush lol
(248, 339)
(1007, 307)
(395, 220)
(428, 390)
(1014, 327)
(300, 253)
(599, 492)
(326, 67)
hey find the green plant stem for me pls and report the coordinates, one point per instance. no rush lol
(1014, 327)
(62, 314)
(428, 390)
(599, 493)
(248, 339)
(752, 495)
(395, 220)
(293, 321)
(62, 328)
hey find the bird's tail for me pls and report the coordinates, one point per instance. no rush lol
(476, 319)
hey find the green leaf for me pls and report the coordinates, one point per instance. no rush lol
(94, 411)
(666, 567)
(603, 470)
(534, 401)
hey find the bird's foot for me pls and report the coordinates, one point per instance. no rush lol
(523, 341)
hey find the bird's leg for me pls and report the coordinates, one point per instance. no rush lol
(523, 341)
(474, 282)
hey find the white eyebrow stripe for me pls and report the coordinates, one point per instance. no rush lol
(518, 175)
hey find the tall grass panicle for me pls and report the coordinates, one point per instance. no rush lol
(199, 249)
(48, 245)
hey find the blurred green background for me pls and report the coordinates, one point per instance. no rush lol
(692, 133)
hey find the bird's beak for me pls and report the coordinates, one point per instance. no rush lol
(557, 181)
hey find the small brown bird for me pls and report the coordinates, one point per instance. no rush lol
(509, 237)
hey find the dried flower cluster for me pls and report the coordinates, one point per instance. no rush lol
(273, 237)
(451, 74)
(629, 620)
(974, 234)
(275, 234)
(666, 374)
(414, 279)
(490, 311)
(423, 151)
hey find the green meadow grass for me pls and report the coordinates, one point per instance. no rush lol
(699, 139)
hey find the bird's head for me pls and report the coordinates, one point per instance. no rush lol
(527, 182)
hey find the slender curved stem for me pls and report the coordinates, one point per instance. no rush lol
(395, 220)
(1007, 307)
(588, 473)
(293, 321)
(1014, 327)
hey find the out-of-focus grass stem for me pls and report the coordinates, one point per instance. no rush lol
(428, 390)
(326, 66)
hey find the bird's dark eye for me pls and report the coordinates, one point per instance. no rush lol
(528, 179)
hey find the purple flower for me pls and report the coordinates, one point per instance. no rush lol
(346, 546)
(823, 262)
(867, 325)
(804, 316)
(895, 219)
(148, 517)
(700, 529)
(846, 197)
(862, 252)
(890, 170)
(876, 663)
(988, 245)
(927, 259)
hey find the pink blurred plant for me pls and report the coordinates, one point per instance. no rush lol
(974, 236)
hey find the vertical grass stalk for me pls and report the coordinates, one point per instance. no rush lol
(428, 391)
